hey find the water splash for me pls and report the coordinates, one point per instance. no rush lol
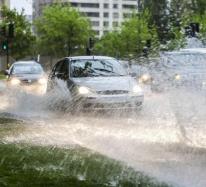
(167, 139)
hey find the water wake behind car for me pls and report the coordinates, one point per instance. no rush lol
(167, 139)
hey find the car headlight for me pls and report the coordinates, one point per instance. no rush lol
(42, 81)
(15, 81)
(84, 90)
(145, 78)
(137, 90)
(177, 77)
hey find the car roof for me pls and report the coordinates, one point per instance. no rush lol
(186, 51)
(89, 57)
(26, 63)
(199, 50)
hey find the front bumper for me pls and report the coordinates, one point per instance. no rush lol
(36, 88)
(107, 102)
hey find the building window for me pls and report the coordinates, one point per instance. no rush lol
(106, 5)
(74, 4)
(115, 24)
(106, 14)
(115, 6)
(115, 15)
(129, 6)
(127, 15)
(106, 23)
(95, 23)
(92, 14)
(90, 5)
(106, 32)
(96, 32)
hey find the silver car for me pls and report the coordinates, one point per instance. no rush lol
(96, 82)
(180, 69)
(28, 76)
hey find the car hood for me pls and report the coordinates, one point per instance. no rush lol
(28, 76)
(106, 83)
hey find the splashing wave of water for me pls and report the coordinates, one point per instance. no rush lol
(167, 139)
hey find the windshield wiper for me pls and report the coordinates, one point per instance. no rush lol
(108, 71)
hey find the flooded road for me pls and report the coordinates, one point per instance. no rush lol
(166, 140)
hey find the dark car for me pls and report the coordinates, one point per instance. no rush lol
(28, 76)
(96, 82)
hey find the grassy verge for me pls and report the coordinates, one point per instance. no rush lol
(23, 165)
(2, 76)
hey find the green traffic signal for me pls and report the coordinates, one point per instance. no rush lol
(5, 45)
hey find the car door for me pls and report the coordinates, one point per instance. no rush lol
(64, 74)
(54, 75)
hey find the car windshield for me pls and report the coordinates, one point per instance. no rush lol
(96, 67)
(183, 60)
(27, 69)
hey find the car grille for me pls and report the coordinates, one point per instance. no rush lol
(113, 92)
(28, 81)
(112, 105)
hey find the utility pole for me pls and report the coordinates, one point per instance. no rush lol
(7, 54)
(7, 34)
(139, 29)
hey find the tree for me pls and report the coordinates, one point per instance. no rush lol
(109, 44)
(21, 45)
(158, 10)
(130, 40)
(62, 30)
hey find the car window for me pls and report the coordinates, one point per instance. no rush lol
(26, 69)
(57, 68)
(64, 67)
(186, 60)
(96, 67)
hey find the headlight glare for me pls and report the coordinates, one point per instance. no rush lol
(137, 90)
(177, 77)
(15, 81)
(83, 90)
(145, 78)
(42, 81)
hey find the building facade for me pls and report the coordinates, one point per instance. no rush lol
(105, 15)
(4, 2)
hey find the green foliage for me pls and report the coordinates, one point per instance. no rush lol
(109, 44)
(26, 165)
(159, 17)
(177, 40)
(21, 45)
(62, 31)
(198, 18)
(130, 39)
(2, 76)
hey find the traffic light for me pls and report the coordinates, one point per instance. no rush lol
(148, 43)
(11, 30)
(195, 27)
(4, 45)
(192, 29)
(91, 43)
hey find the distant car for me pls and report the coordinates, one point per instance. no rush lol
(96, 82)
(184, 68)
(28, 76)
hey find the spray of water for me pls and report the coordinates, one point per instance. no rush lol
(167, 139)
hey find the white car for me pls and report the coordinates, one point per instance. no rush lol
(96, 82)
(183, 68)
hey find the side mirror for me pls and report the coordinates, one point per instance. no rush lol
(6, 72)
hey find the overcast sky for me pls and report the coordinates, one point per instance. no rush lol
(19, 4)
